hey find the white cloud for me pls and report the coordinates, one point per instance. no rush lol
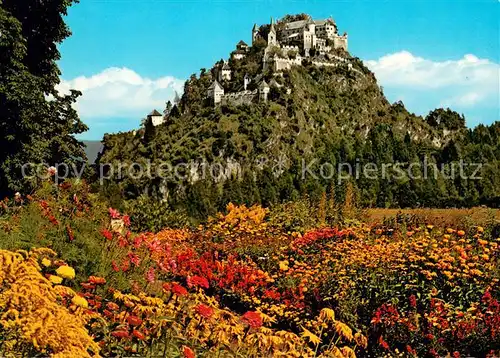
(121, 92)
(466, 82)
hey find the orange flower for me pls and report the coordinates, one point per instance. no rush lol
(134, 320)
(138, 335)
(96, 280)
(188, 352)
(461, 233)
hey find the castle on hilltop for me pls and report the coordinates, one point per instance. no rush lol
(289, 43)
(306, 35)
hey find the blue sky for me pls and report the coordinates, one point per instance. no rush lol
(128, 56)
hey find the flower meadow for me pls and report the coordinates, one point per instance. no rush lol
(76, 281)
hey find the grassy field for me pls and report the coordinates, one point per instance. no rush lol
(449, 217)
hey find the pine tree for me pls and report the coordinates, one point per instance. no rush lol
(33, 128)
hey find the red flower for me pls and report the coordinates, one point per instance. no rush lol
(138, 335)
(113, 213)
(253, 319)
(383, 343)
(179, 290)
(188, 352)
(126, 220)
(71, 235)
(125, 265)
(413, 301)
(204, 311)
(120, 334)
(134, 258)
(112, 306)
(134, 320)
(198, 281)
(410, 350)
(115, 266)
(87, 286)
(107, 234)
(150, 275)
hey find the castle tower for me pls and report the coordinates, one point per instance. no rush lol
(155, 117)
(263, 91)
(225, 72)
(309, 35)
(215, 92)
(272, 37)
(255, 33)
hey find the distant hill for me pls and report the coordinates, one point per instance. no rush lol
(92, 149)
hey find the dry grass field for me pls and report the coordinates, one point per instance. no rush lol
(443, 217)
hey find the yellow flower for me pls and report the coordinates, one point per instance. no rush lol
(283, 265)
(66, 272)
(327, 314)
(46, 262)
(56, 280)
(80, 301)
(343, 330)
(314, 339)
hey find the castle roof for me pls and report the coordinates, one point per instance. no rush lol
(254, 27)
(154, 113)
(295, 24)
(242, 43)
(215, 85)
(226, 66)
(325, 21)
(263, 84)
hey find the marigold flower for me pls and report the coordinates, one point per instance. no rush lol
(66, 272)
(79, 301)
(253, 319)
(55, 279)
(460, 233)
(46, 262)
(188, 352)
(204, 310)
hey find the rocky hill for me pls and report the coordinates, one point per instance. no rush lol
(317, 114)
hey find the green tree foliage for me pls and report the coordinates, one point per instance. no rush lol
(36, 122)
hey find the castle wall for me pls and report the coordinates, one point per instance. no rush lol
(238, 98)
(340, 42)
